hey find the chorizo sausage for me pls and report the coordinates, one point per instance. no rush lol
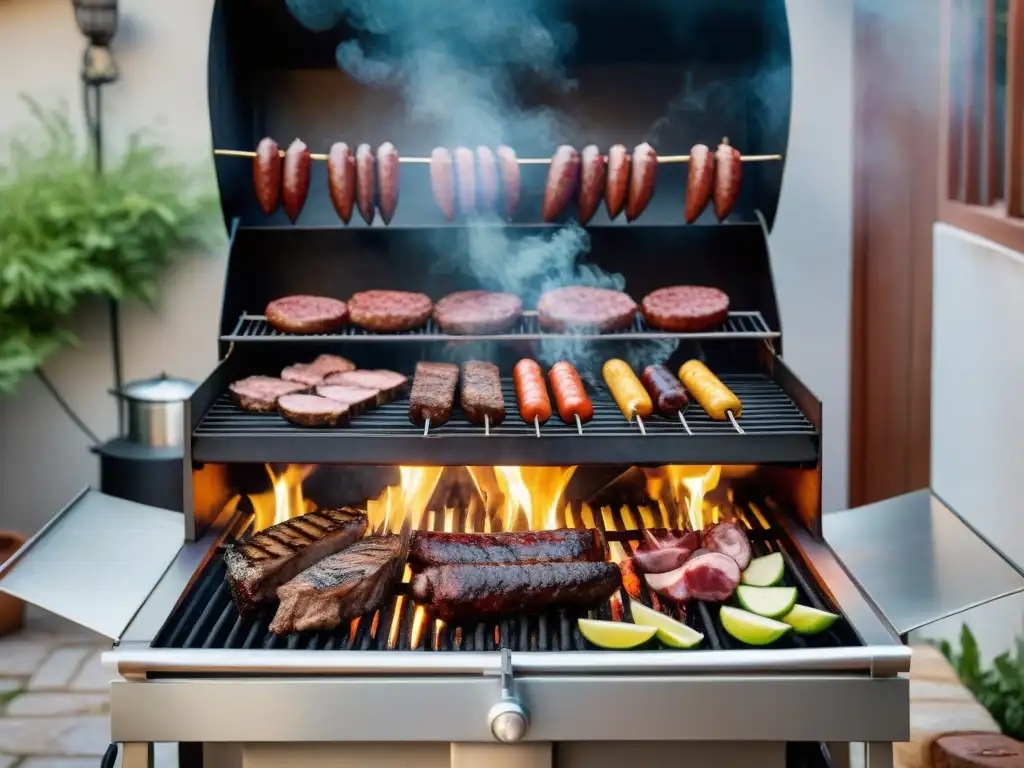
(619, 163)
(531, 391)
(442, 181)
(629, 393)
(508, 165)
(666, 392)
(570, 396)
(465, 175)
(488, 171)
(387, 180)
(728, 174)
(266, 174)
(341, 179)
(365, 182)
(562, 176)
(295, 184)
(592, 174)
(641, 180)
(708, 390)
(700, 182)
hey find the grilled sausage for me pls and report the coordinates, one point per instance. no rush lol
(481, 399)
(666, 392)
(562, 177)
(488, 167)
(465, 176)
(508, 165)
(365, 182)
(387, 180)
(531, 391)
(700, 182)
(592, 174)
(442, 181)
(641, 180)
(295, 184)
(570, 395)
(266, 174)
(619, 163)
(341, 179)
(629, 393)
(728, 174)
(566, 545)
(706, 388)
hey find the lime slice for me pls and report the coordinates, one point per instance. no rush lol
(615, 635)
(670, 632)
(766, 601)
(765, 571)
(809, 621)
(750, 628)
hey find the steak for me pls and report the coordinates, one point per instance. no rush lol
(481, 393)
(312, 411)
(259, 394)
(314, 373)
(433, 393)
(389, 311)
(430, 548)
(357, 399)
(579, 307)
(306, 314)
(730, 539)
(258, 564)
(388, 384)
(471, 312)
(685, 308)
(340, 587)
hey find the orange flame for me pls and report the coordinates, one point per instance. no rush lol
(284, 500)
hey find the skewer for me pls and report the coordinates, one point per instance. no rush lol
(685, 425)
(536, 426)
(487, 425)
(426, 427)
(579, 424)
(640, 423)
(521, 160)
(735, 423)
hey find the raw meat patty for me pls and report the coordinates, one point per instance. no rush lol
(314, 373)
(580, 307)
(312, 410)
(685, 308)
(306, 314)
(468, 312)
(259, 394)
(389, 311)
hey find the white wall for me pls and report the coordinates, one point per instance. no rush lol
(162, 51)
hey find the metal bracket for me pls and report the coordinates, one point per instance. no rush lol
(508, 719)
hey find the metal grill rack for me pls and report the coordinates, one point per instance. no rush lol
(738, 325)
(207, 619)
(774, 429)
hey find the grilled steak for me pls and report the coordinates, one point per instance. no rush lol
(433, 393)
(358, 399)
(462, 592)
(306, 314)
(259, 394)
(430, 548)
(730, 539)
(389, 311)
(685, 308)
(481, 393)
(579, 307)
(312, 411)
(259, 564)
(388, 384)
(339, 587)
(314, 373)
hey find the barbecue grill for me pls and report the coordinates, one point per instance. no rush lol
(397, 685)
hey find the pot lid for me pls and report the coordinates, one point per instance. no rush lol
(160, 389)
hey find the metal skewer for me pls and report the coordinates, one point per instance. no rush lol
(536, 426)
(685, 425)
(426, 427)
(640, 423)
(487, 425)
(579, 424)
(735, 423)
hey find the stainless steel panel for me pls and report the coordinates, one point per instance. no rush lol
(344, 756)
(918, 560)
(563, 708)
(96, 562)
(670, 754)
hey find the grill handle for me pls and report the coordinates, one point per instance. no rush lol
(508, 718)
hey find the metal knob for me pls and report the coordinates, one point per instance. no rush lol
(509, 721)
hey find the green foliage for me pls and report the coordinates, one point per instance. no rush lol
(1000, 688)
(68, 235)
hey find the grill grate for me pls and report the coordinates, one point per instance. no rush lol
(738, 325)
(774, 430)
(207, 618)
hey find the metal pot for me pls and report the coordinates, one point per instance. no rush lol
(156, 410)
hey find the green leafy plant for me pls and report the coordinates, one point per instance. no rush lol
(999, 688)
(68, 235)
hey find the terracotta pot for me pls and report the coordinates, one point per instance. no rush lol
(12, 610)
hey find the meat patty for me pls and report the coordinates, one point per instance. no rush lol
(259, 394)
(306, 314)
(469, 312)
(314, 373)
(389, 311)
(685, 308)
(312, 410)
(580, 307)
(388, 384)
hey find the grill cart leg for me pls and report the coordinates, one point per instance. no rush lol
(137, 754)
(839, 751)
(878, 754)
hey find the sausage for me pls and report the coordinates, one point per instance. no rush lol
(629, 393)
(666, 392)
(341, 179)
(387, 180)
(700, 182)
(619, 163)
(488, 166)
(531, 391)
(641, 180)
(465, 176)
(713, 396)
(481, 399)
(570, 395)
(508, 165)
(565, 545)
(592, 173)
(295, 179)
(728, 174)
(442, 181)
(364, 182)
(266, 174)
(562, 175)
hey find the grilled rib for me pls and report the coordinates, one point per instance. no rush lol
(432, 548)
(257, 565)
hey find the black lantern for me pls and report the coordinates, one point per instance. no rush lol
(97, 20)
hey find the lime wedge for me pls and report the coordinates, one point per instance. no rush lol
(766, 601)
(765, 571)
(615, 635)
(750, 628)
(670, 632)
(809, 621)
